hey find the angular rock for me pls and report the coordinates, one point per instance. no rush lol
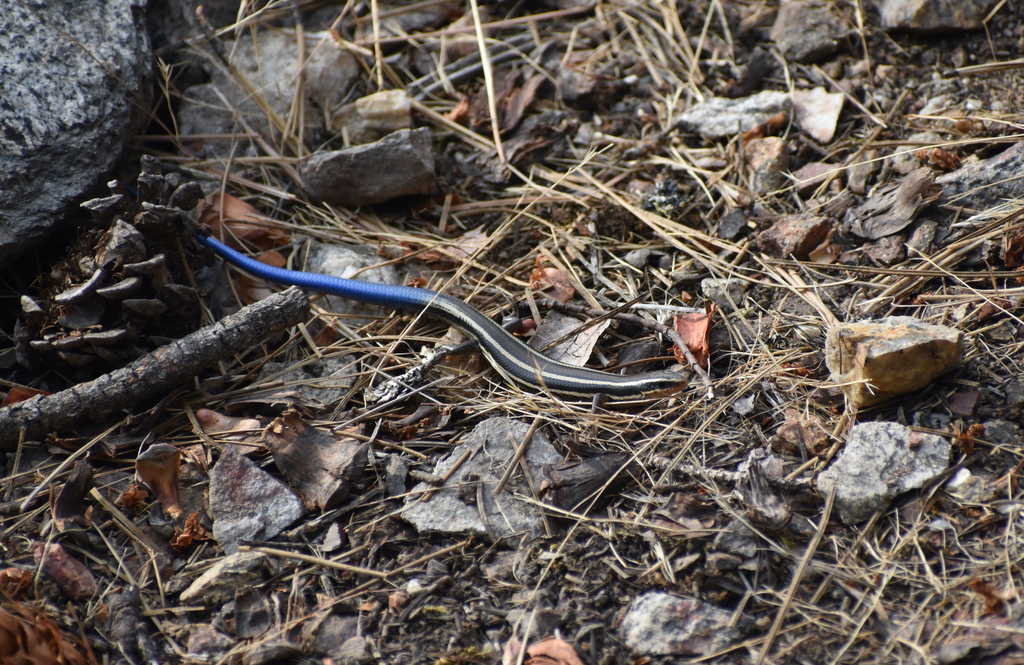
(767, 162)
(662, 624)
(817, 112)
(808, 30)
(724, 291)
(720, 117)
(247, 503)
(933, 16)
(229, 574)
(794, 236)
(73, 86)
(270, 65)
(810, 176)
(353, 262)
(400, 164)
(880, 461)
(878, 360)
(373, 117)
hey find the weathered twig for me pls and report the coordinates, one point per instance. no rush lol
(156, 373)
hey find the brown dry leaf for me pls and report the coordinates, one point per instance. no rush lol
(20, 394)
(193, 531)
(460, 112)
(511, 100)
(560, 337)
(243, 222)
(34, 639)
(825, 253)
(320, 467)
(685, 516)
(939, 158)
(892, 208)
(461, 248)
(70, 574)
(572, 484)
(695, 328)
(550, 651)
(514, 106)
(158, 466)
(14, 582)
(253, 290)
(68, 506)
(1013, 255)
(553, 283)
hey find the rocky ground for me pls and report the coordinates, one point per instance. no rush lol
(820, 201)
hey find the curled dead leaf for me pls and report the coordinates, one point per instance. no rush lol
(234, 220)
(158, 466)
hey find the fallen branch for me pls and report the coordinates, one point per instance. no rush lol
(153, 374)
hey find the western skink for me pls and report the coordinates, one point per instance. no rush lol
(511, 357)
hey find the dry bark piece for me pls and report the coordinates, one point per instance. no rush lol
(125, 622)
(767, 162)
(892, 208)
(882, 460)
(878, 360)
(320, 467)
(695, 329)
(765, 508)
(801, 434)
(158, 466)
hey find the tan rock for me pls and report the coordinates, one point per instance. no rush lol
(878, 360)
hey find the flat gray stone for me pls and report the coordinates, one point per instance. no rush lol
(986, 183)
(247, 503)
(719, 117)
(462, 504)
(661, 624)
(881, 460)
